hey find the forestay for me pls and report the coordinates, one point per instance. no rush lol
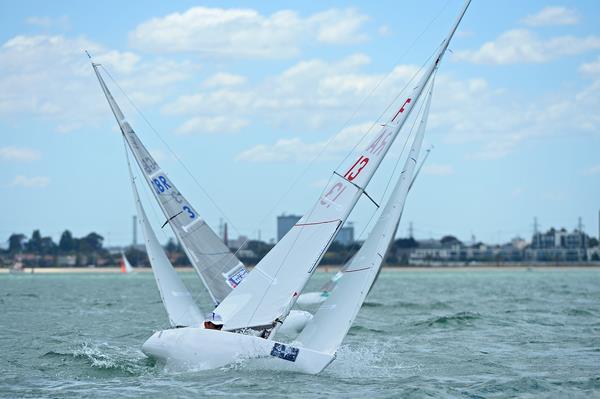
(218, 268)
(330, 324)
(176, 298)
(266, 296)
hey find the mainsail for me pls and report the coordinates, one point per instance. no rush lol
(218, 268)
(268, 293)
(176, 298)
(313, 298)
(330, 324)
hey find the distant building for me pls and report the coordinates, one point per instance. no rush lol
(285, 224)
(346, 235)
(559, 246)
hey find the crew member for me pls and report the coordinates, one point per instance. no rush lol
(213, 321)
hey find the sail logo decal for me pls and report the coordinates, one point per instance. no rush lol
(236, 278)
(285, 352)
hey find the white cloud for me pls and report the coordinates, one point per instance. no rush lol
(48, 75)
(245, 33)
(591, 68)
(524, 46)
(62, 22)
(212, 124)
(339, 26)
(315, 94)
(438, 169)
(592, 170)
(555, 15)
(318, 95)
(30, 182)
(384, 30)
(296, 149)
(12, 153)
(222, 79)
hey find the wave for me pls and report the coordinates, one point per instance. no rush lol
(457, 319)
(358, 329)
(105, 358)
(408, 305)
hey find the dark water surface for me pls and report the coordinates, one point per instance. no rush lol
(490, 333)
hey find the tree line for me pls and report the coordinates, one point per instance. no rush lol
(39, 245)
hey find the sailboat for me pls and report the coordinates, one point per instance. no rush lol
(218, 268)
(253, 313)
(125, 265)
(317, 297)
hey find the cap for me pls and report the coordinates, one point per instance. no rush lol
(214, 318)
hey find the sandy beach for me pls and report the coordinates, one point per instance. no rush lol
(325, 269)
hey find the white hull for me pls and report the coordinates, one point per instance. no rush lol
(201, 349)
(311, 298)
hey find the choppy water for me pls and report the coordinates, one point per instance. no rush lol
(494, 333)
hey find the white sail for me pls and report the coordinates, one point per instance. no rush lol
(317, 297)
(330, 324)
(178, 302)
(218, 268)
(125, 265)
(271, 289)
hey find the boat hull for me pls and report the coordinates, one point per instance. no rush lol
(202, 349)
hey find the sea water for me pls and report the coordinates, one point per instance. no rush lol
(449, 333)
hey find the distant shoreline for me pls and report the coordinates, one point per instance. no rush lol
(326, 269)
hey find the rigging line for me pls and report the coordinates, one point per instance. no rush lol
(355, 112)
(390, 72)
(417, 118)
(212, 201)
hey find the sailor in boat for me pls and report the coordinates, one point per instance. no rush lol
(213, 321)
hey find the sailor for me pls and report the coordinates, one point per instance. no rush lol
(213, 321)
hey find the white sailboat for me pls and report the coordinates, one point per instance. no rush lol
(326, 331)
(124, 264)
(218, 268)
(253, 312)
(317, 297)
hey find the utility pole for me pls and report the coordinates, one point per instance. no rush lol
(410, 230)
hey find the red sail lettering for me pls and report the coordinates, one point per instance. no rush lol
(358, 165)
(379, 143)
(401, 110)
(335, 191)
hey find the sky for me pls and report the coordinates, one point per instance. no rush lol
(250, 106)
